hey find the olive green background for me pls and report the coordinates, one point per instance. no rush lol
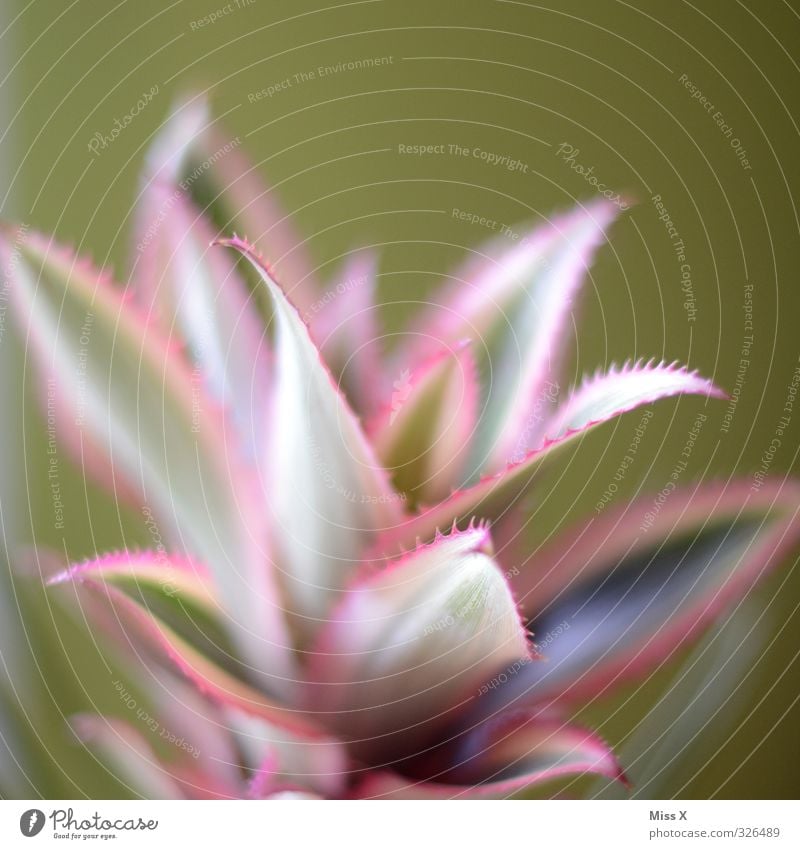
(511, 78)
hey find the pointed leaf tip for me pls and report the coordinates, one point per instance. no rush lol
(326, 492)
(621, 389)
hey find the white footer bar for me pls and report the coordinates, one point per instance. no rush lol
(405, 825)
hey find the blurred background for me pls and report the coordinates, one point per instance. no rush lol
(688, 109)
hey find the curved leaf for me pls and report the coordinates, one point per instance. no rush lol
(168, 154)
(515, 306)
(326, 492)
(497, 495)
(619, 595)
(620, 390)
(129, 755)
(279, 759)
(133, 624)
(153, 570)
(409, 643)
(124, 386)
(508, 754)
(212, 762)
(174, 589)
(423, 435)
(196, 294)
(208, 164)
(344, 323)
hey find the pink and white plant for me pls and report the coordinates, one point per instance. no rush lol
(345, 606)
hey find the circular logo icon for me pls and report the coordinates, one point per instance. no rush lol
(31, 822)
